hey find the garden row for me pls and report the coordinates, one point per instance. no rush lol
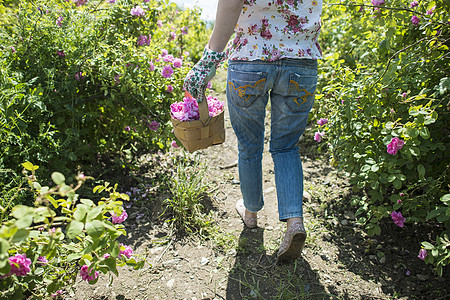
(80, 81)
(383, 113)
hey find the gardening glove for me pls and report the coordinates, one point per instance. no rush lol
(203, 71)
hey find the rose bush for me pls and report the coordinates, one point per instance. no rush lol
(385, 92)
(43, 248)
(83, 78)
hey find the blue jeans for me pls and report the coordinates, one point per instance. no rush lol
(291, 84)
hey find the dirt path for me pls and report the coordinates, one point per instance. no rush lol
(339, 260)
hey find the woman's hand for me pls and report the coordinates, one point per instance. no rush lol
(203, 71)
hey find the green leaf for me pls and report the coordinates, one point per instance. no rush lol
(445, 198)
(425, 133)
(95, 228)
(427, 245)
(4, 246)
(94, 212)
(111, 263)
(88, 202)
(58, 178)
(139, 265)
(114, 249)
(74, 256)
(432, 214)
(108, 225)
(37, 186)
(99, 189)
(414, 151)
(74, 229)
(29, 166)
(421, 171)
(80, 212)
(20, 236)
(20, 211)
(24, 222)
(397, 183)
(5, 267)
(391, 177)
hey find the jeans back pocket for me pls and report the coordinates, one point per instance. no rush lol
(244, 88)
(301, 92)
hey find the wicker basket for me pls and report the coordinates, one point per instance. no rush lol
(202, 133)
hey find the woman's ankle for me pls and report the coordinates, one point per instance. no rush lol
(290, 221)
(249, 214)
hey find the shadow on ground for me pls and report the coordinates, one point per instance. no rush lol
(255, 275)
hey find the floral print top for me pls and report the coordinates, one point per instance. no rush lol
(275, 29)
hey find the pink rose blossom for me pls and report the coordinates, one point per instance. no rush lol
(152, 66)
(20, 265)
(398, 219)
(60, 53)
(119, 219)
(174, 144)
(188, 109)
(143, 40)
(167, 72)
(322, 122)
(137, 11)
(318, 136)
(414, 4)
(177, 63)
(422, 254)
(42, 260)
(106, 255)
(415, 20)
(168, 58)
(59, 21)
(58, 292)
(169, 89)
(377, 2)
(85, 274)
(127, 251)
(153, 125)
(395, 145)
(78, 76)
(80, 2)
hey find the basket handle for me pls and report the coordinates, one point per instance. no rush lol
(203, 109)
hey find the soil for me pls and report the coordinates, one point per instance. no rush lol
(339, 260)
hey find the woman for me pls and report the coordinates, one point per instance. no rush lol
(274, 55)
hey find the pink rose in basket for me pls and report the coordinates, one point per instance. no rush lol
(187, 110)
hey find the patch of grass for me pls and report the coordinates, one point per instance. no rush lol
(188, 189)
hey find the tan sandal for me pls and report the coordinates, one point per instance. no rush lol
(293, 242)
(249, 222)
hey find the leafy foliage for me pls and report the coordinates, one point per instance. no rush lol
(386, 77)
(59, 234)
(80, 81)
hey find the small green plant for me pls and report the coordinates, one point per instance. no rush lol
(44, 248)
(188, 187)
